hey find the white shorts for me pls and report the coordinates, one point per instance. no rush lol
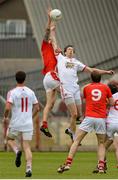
(90, 123)
(50, 83)
(70, 95)
(112, 130)
(13, 134)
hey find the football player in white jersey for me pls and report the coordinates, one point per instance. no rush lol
(23, 105)
(112, 121)
(68, 67)
(112, 118)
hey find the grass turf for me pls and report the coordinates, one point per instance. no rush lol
(45, 166)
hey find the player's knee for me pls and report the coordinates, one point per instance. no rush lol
(76, 143)
(74, 115)
(9, 139)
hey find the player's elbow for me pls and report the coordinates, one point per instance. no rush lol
(36, 108)
(88, 69)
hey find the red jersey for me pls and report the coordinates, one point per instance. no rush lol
(48, 57)
(96, 95)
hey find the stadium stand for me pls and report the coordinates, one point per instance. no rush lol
(91, 26)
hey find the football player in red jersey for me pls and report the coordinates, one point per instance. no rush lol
(51, 81)
(95, 95)
(112, 123)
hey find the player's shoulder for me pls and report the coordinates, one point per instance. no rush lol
(28, 89)
(12, 90)
(45, 45)
(60, 56)
(76, 59)
(115, 95)
(44, 42)
(104, 85)
(86, 86)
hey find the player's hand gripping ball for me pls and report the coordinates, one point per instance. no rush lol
(55, 14)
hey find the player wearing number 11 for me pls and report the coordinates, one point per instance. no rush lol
(21, 102)
(96, 95)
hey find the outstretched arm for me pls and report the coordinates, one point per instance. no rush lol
(57, 50)
(90, 70)
(47, 31)
(53, 35)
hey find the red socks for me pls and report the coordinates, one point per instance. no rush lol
(101, 164)
(69, 161)
(45, 124)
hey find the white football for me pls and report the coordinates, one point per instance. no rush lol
(55, 14)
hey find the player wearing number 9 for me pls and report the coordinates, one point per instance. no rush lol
(95, 95)
(112, 123)
(21, 101)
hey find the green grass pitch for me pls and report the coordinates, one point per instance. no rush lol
(45, 166)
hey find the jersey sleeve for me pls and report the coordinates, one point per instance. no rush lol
(34, 99)
(81, 66)
(10, 97)
(59, 57)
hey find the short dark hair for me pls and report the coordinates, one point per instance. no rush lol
(96, 76)
(68, 47)
(113, 88)
(20, 77)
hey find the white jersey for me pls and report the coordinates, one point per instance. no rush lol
(22, 100)
(67, 70)
(113, 112)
